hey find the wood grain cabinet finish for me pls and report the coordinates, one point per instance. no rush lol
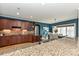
(36, 39)
(8, 23)
(2, 24)
(12, 40)
(16, 23)
(25, 25)
(4, 41)
(17, 39)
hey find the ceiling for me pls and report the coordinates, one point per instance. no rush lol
(47, 13)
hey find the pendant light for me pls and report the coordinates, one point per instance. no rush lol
(18, 11)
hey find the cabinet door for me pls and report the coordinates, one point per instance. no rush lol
(24, 25)
(9, 24)
(30, 38)
(5, 41)
(33, 38)
(18, 39)
(6, 24)
(25, 38)
(2, 23)
(12, 40)
(36, 39)
(0, 41)
(16, 23)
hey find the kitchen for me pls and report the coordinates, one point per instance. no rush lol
(15, 32)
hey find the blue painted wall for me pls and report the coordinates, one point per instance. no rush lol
(50, 26)
(44, 25)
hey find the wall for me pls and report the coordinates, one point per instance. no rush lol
(75, 21)
(44, 25)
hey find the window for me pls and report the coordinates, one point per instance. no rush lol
(71, 31)
(68, 31)
(62, 30)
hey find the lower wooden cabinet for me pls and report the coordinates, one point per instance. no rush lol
(25, 38)
(17, 39)
(36, 39)
(12, 40)
(4, 41)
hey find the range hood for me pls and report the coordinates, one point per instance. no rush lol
(16, 27)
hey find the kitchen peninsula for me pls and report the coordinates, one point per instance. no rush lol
(15, 32)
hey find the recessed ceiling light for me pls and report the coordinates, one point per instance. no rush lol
(43, 3)
(18, 13)
(31, 16)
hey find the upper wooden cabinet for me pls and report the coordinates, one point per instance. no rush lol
(9, 23)
(4, 24)
(26, 25)
(16, 23)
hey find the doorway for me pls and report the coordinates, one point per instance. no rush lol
(37, 30)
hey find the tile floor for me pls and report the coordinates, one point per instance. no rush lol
(58, 47)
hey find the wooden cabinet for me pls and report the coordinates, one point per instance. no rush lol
(4, 41)
(2, 24)
(16, 39)
(7, 24)
(11, 40)
(1, 41)
(10, 23)
(36, 38)
(19, 39)
(30, 38)
(16, 23)
(27, 38)
(25, 25)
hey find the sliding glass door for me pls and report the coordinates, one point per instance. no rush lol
(68, 31)
(71, 31)
(62, 30)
